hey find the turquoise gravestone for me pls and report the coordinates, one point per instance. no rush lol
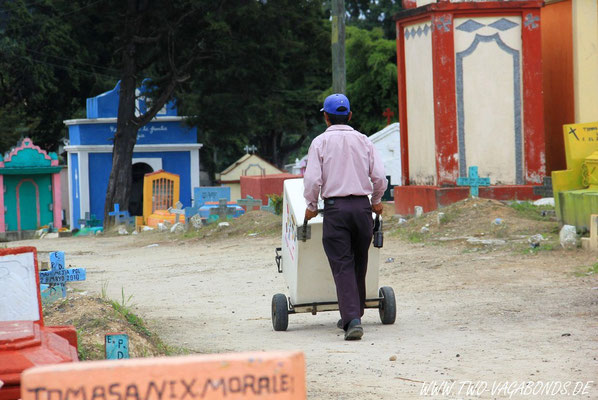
(117, 346)
(473, 181)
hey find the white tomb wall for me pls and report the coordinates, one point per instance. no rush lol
(489, 97)
(420, 104)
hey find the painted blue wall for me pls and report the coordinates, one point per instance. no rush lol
(100, 165)
(74, 171)
(156, 132)
(105, 105)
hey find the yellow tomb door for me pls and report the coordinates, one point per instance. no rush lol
(161, 191)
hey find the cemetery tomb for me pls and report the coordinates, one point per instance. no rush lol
(248, 165)
(31, 192)
(259, 375)
(221, 211)
(576, 188)
(24, 339)
(388, 145)
(204, 194)
(470, 94)
(305, 266)
(165, 143)
(259, 187)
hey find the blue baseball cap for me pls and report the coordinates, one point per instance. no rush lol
(337, 104)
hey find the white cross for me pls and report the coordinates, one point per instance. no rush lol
(177, 210)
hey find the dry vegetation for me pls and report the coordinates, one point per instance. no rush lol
(93, 317)
(482, 222)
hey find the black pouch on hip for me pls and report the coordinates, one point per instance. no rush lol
(378, 235)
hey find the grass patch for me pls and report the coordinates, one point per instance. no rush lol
(528, 210)
(408, 235)
(593, 270)
(134, 320)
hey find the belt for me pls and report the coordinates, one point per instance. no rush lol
(330, 200)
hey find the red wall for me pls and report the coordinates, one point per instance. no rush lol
(259, 187)
(557, 68)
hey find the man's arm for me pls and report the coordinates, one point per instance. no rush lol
(377, 175)
(312, 179)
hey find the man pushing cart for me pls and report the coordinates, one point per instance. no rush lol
(343, 168)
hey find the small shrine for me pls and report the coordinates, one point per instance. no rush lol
(470, 94)
(161, 192)
(388, 144)
(31, 196)
(576, 188)
(248, 165)
(165, 143)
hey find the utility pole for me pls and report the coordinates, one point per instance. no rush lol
(339, 79)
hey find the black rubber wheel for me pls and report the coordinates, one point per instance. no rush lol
(388, 305)
(280, 312)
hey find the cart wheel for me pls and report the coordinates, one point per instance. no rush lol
(388, 305)
(280, 312)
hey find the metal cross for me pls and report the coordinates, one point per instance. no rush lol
(90, 220)
(251, 149)
(58, 275)
(249, 203)
(223, 210)
(178, 211)
(473, 181)
(120, 216)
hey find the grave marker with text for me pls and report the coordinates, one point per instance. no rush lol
(257, 375)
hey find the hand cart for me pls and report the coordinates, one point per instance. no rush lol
(304, 264)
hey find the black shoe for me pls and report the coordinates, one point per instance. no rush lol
(339, 324)
(354, 330)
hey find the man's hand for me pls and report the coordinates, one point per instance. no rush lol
(377, 208)
(310, 214)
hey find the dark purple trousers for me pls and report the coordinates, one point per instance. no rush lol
(347, 235)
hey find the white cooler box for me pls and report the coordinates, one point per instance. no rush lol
(306, 269)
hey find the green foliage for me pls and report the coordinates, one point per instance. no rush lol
(370, 14)
(45, 71)
(263, 86)
(371, 78)
(277, 202)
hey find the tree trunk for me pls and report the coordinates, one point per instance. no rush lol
(121, 177)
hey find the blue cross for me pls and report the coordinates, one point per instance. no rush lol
(120, 216)
(530, 21)
(58, 275)
(473, 181)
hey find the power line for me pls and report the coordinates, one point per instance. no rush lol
(57, 16)
(110, 70)
(65, 67)
(27, 5)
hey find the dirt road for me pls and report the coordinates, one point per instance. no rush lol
(486, 317)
